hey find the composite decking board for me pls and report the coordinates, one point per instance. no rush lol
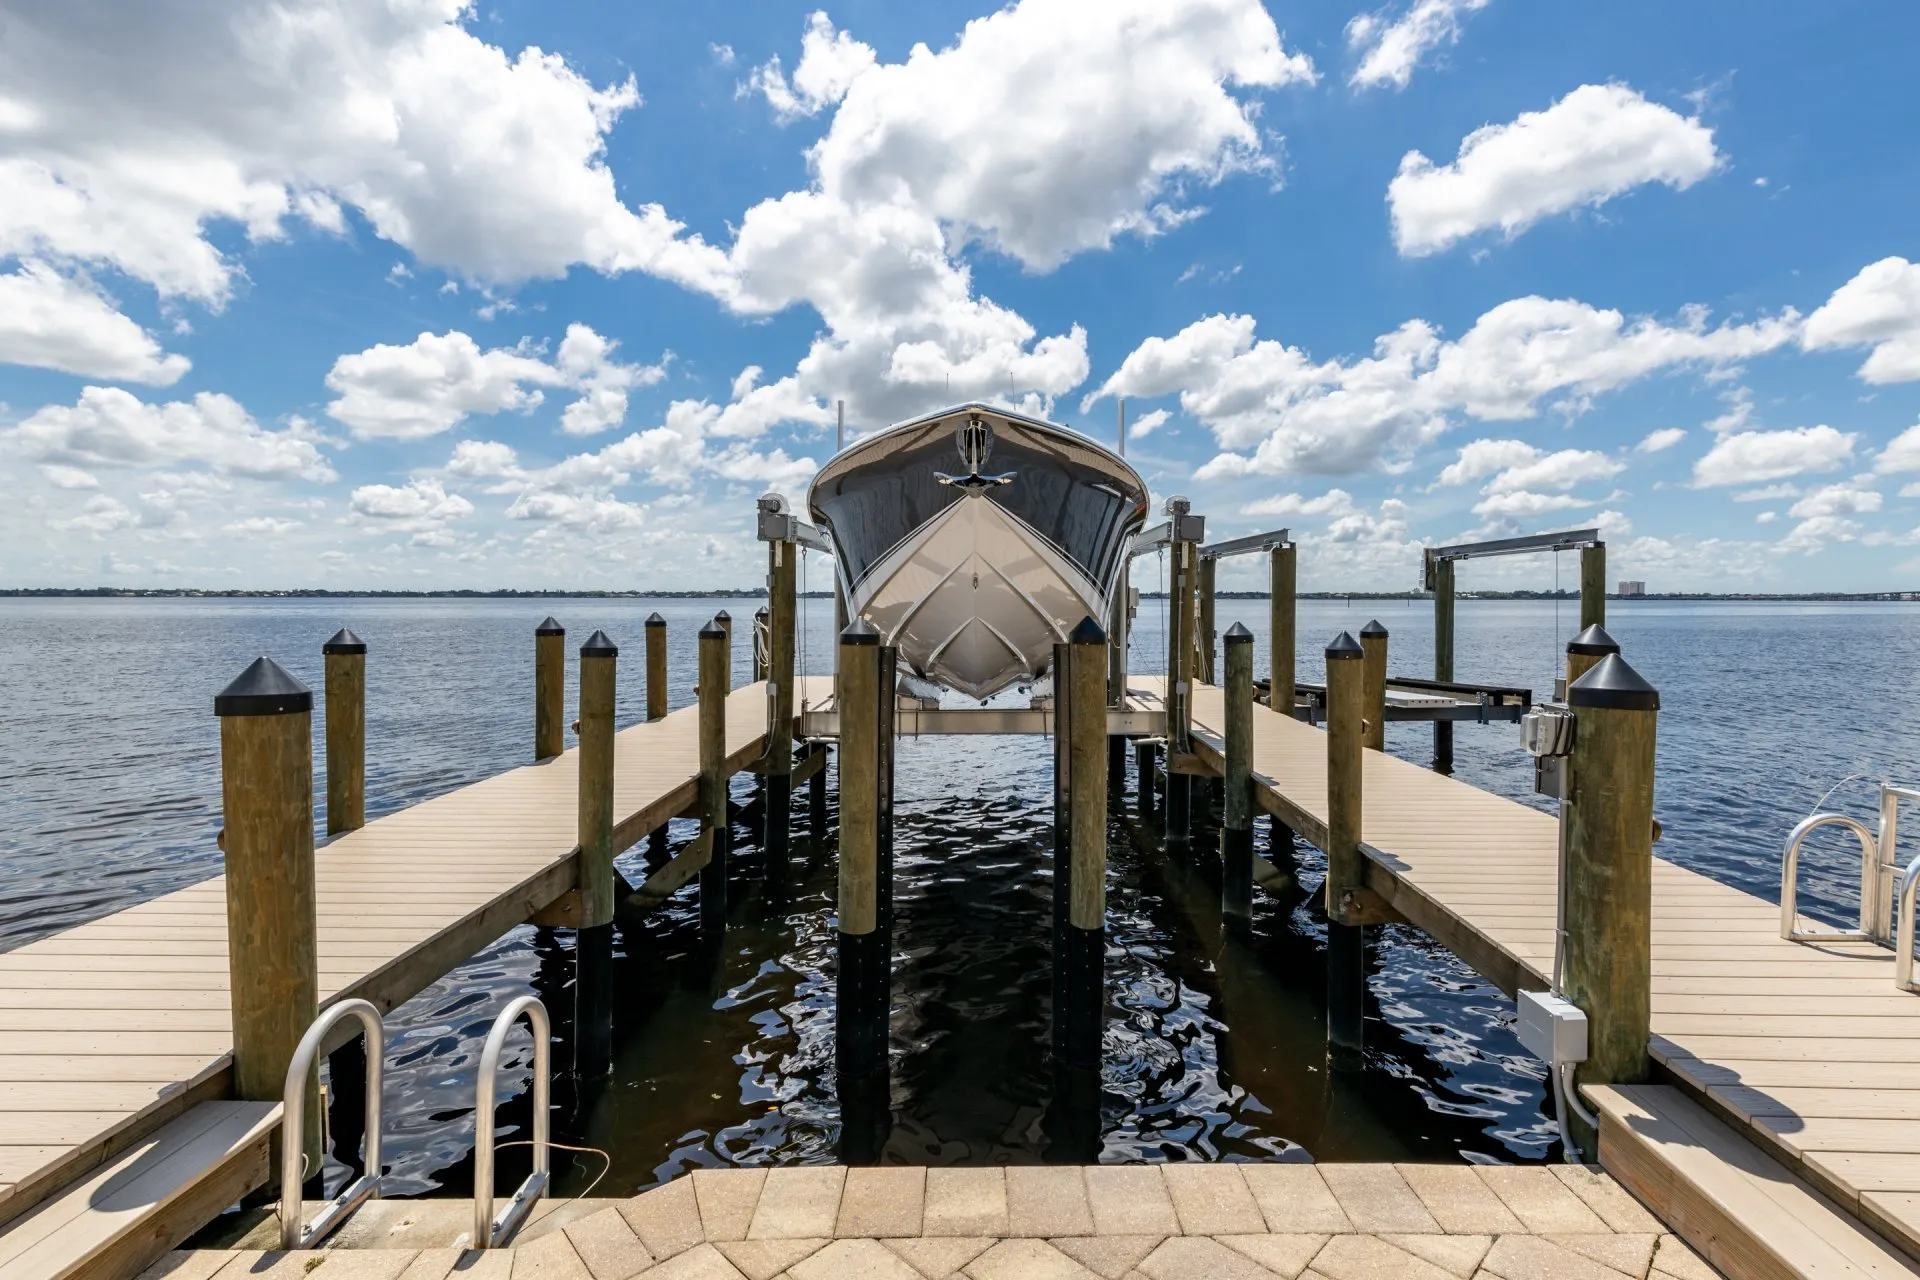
(130, 1017)
(1764, 1030)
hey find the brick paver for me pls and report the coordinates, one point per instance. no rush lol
(1116, 1222)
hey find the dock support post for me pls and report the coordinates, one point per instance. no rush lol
(1117, 684)
(1346, 943)
(266, 798)
(656, 633)
(712, 695)
(1373, 647)
(817, 798)
(1208, 637)
(593, 941)
(1593, 586)
(861, 1007)
(777, 840)
(549, 690)
(1062, 830)
(1609, 885)
(1144, 754)
(1443, 658)
(1178, 823)
(1081, 947)
(725, 620)
(1282, 580)
(345, 656)
(1236, 824)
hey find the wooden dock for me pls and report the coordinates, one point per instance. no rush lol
(1806, 1051)
(122, 1026)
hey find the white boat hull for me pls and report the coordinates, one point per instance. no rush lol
(976, 600)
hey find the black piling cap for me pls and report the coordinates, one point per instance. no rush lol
(763, 612)
(723, 616)
(1614, 685)
(655, 620)
(263, 689)
(1373, 629)
(599, 645)
(713, 630)
(1238, 634)
(860, 631)
(1087, 632)
(344, 641)
(1594, 641)
(1344, 646)
(551, 627)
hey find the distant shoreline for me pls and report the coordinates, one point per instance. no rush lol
(757, 593)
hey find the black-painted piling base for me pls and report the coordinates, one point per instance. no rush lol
(1236, 873)
(713, 885)
(1179, 823)
(777, 841)
(593, 1002)
(1346, 995)
(1143, 761)
(1079, 1014)
(658, 854)
(347, 1103)
(1072, 1121)
(861, 1005)
(1116, 766)
(1442, 747)
(817, 802)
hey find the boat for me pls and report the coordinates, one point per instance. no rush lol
(976, 538)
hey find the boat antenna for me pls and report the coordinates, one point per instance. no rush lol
(840, 425)
(1123, 426)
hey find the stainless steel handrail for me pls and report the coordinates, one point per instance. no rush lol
(294, 1234)
(1869, 881)
(1903, 939)
(490, 1232)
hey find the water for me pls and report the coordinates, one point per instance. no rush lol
(110, 772)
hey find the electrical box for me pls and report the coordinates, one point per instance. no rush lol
(1551, 1027)
(1546, 731)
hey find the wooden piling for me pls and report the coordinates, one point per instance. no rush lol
(599, 659)
(549, 690)
(1346, 943)
(861, 1004)
(777, 839)
(345, 657)
(1144, 754)
(712, 697)
(1585, 651)
(725, 620)
(1236, 822)
(1373, 646)
(1178, 824)
(1282, 584)
(656, 656)
(1062, 828)
(1593, 586)
(1609, 871)
(1083, 943)
(1443, 659)
(266, 796)
(1209, 638)
(1117, 626)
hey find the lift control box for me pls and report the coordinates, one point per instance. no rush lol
(1551, 1027)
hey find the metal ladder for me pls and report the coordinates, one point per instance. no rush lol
(1888, 891)
(489, 1231)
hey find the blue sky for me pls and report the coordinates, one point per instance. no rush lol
(397, 293)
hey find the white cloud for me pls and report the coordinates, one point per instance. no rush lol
(421, 507)
(1598, 142)
(1146, 424)
(1901, 454)
(1482, 458)
(1768, 493)
(1662, 439)
(52, 321)
(134, 137)
(261, 526)
(1521, 504)
(108, 427)
(1560, 470)
(1766, 517)
(1338, 417)
(68, 477)
(1391, 50)
(432, 383)
(830, 61)
(1878, 308)
(1751, 457)
(100, 515)
(1849, 498)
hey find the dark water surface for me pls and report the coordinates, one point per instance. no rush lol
(109, 790)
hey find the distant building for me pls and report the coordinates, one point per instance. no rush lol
(1631, 588)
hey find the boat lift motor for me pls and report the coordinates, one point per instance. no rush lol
(1546, 731)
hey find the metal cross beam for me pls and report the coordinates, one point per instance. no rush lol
(1568, 540)
(1253, 542)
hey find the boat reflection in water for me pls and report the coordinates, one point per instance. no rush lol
(976, 538)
